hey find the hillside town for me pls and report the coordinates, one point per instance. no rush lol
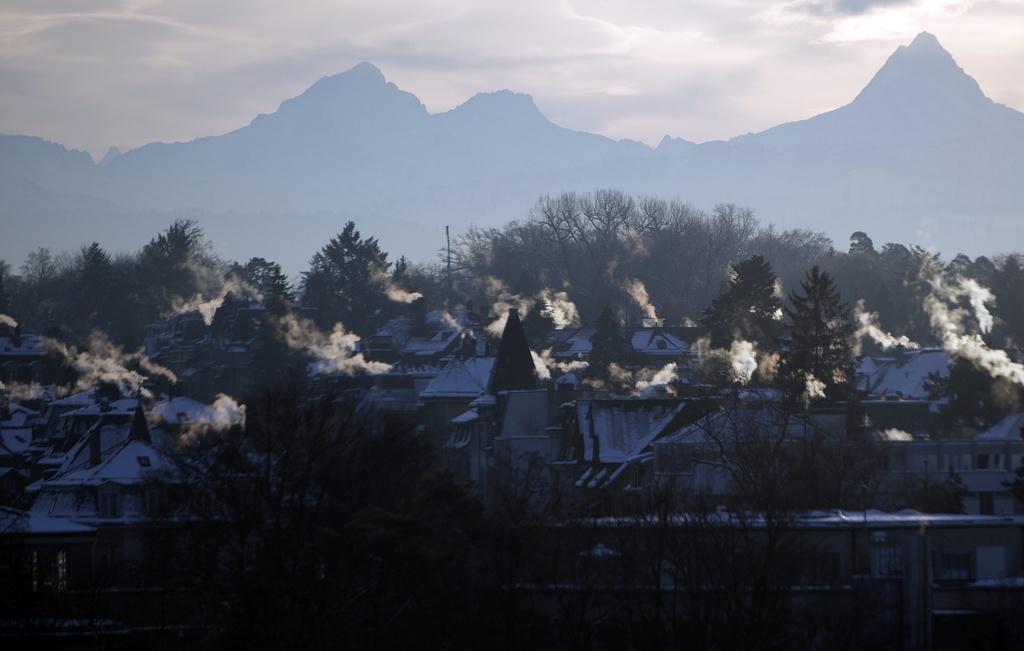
(644, 480)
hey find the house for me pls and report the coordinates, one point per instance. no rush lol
(903, 375)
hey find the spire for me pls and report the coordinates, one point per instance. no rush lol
(140, 428)
(513, 368)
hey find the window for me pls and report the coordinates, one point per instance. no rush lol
(661, 344)
(143, 461)
(982, 462)
(110, 504)
(887, 560)
(954, 566)
(986, 503)
(62, 571)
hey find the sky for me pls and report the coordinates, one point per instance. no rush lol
(94, 73)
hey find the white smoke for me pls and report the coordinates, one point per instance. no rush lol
(867, 326)
(742, 360)
(893, 434)
(948, 321)
(545, 363)
(660, 382)
(393, 291)
(20, 391)
(8, 321)
(222, 415)
(502, 300)
(103, 361)
(813, 388)
(638, 293)
(207, 307)
(563, 311)
(334, 352)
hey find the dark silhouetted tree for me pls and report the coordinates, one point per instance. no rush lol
(608, 344)
(342, 281)
(820, 334)
(749, 309)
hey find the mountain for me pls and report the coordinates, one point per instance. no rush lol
(919, 155)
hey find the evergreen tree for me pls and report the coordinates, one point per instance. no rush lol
(538, 325)
(749, 309)
(819, 356)
(608, 344)
(269, 280)
(94, 292)
(341, 281)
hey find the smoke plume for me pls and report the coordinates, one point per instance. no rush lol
(334, 352)
(207, 307)
(104, 361)
(867, 327)
(8, 321)
(638, 293)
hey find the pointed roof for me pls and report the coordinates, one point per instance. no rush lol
(513, 366)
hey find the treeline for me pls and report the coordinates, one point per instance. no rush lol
(592, 246)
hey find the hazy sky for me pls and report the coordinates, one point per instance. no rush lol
(94, 73)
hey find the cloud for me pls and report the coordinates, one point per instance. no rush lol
(849, 21)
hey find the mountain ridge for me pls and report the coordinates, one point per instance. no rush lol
(355, 145)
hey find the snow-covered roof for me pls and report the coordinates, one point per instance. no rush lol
(436, 343)
(572, 342)
(468, 416)
(18, 415)
(621, 428)
(1010, 428)
(15, 440)
(655, 341)
(28, 345)
(127, 463)
(14, 521)
(461, 378)
(903, 374)
(752, 421)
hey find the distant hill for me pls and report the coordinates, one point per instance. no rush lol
(919, 155)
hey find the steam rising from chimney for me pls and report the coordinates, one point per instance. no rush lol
(334, 352)
(867, 326)
(638, 293)
(104, 361)
(207, 307)
(8, 321)
(393, 291)
(948, 321)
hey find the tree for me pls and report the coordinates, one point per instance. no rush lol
(861, 244)
(343, 280)
(270, 281)
(94, 294)
(818, 363)
(969, 397)
(749, 309)
(608, 344)
(538, 325)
